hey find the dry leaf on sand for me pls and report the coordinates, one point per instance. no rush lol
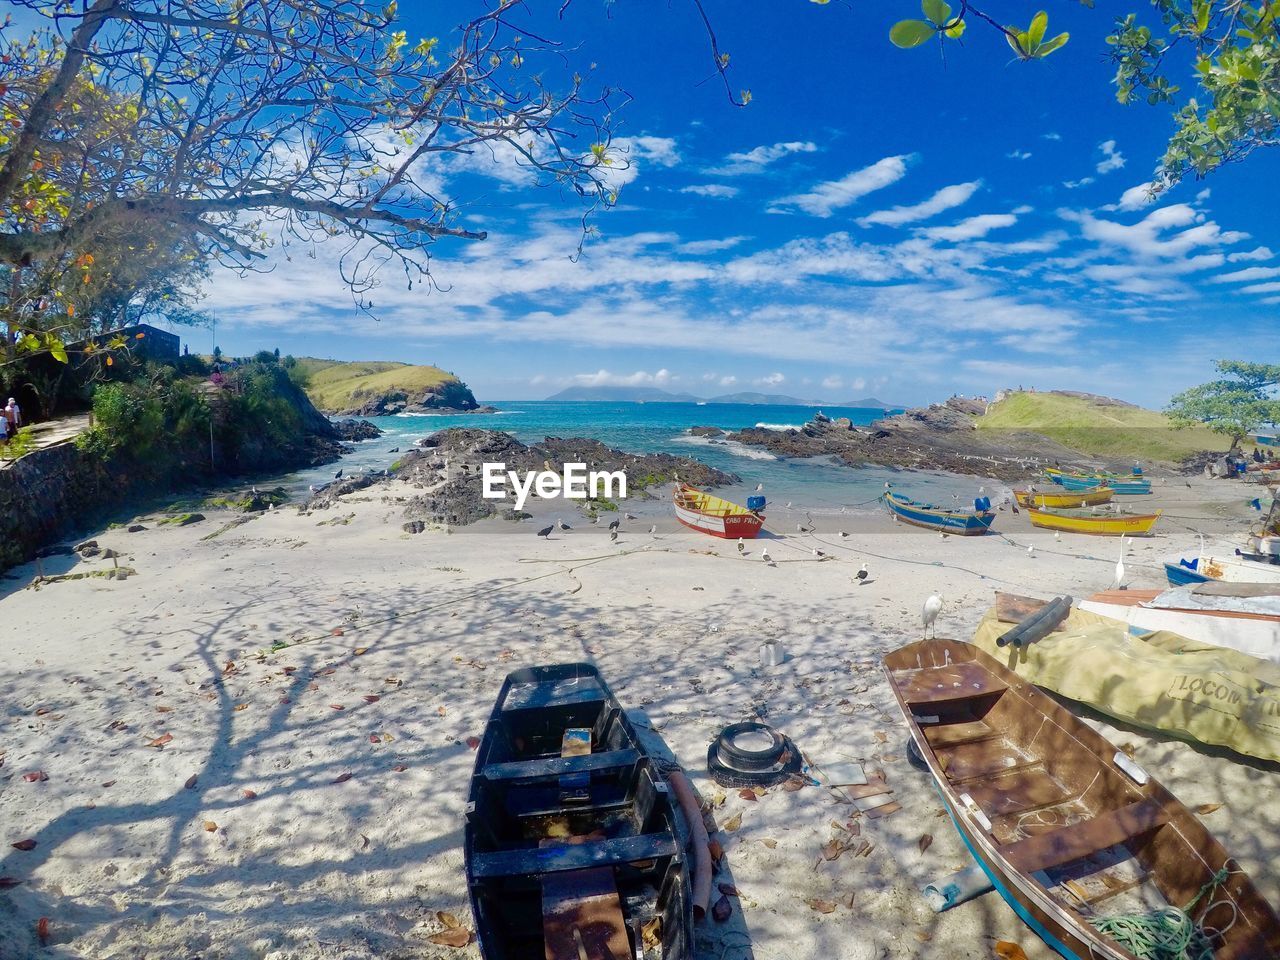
(822, 906)
(1207, 808)
(733, 823)
(452, 937)
(1009, 951)
(925, 841)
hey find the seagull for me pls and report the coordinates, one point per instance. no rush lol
(614, 525)
(545, 532)
(1014, 508)
(742, 547)
(801, 528)
(595, 518)
(1119, 581)
(613, 536)
(630, 516)
(942, 535)
(818, 553)
(653, 530)
(932, 607)
(862, 574)
(562, 525)
(887, 484)
(311, 487)
(254, 488)
(788, 504)
(338, 475)
(843, 535)
(764, 555)
(1057, 535)
(759, 488)
(1031, 550)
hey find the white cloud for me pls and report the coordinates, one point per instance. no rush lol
(1051, 136)
(603, 378)
(1135, 198)
(1263, 288)
(825, 198)
(944, 199)
(728, 381)
(1249, 273)
(660, 151)
(718, 190)
(1019, 155)
(1257, 253)
(1112, 159)
(696, 247)
(772, 380)
(971, 228)
(1148, 237)
(832, 383)
(1077, 184)
(757, 158)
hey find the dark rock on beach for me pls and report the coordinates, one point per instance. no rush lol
(705, 432)
(353, 431)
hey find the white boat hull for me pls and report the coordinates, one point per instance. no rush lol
(1235, 570)
(1259, 638)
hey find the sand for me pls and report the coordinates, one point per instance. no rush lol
(207, 797)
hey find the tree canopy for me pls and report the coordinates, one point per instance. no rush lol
(1236, 405)
(181, 132)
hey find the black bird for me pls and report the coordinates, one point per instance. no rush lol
(338, 475)
(614, 525)
(862, 574)
(1014, 508)
(545, 532)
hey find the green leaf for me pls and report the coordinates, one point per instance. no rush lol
(1035, 32)
(956, 30)
(936, 10)
(1049, 46)
(911, 33)
(1018, 41)
(58, 350)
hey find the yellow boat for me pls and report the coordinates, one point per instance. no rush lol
(1064, 498)
(1113, 525)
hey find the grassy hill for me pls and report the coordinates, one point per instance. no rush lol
(1101, 429)
(342, 385)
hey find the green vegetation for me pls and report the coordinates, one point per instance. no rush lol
(1098, 429)
(1234, 406)
(19, 445)
(139, 422)
(340, 385)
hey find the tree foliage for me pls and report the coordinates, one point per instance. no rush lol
(176, 132)
(1236, 405)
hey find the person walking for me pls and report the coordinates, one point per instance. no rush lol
(13, 414)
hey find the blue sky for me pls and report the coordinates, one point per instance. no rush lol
(877, 222)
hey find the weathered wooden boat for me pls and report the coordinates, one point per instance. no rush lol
(1076, 837)
(720, 518)
(1063, 499)
(1239, 616)
(1118, 485)
(1238, 569)
(1102, 525)
(574, 844)
(965, 523)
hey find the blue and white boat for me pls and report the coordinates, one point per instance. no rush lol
(1073, 481)
(965, 523)
(1184, 572)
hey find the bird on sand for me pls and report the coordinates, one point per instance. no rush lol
(630, 516)
(1118, 583)
(1031, 550)
(764, 555)
(818, 553)
(545, 532)
(801, 528)
(562, 525)
(943, 535)
(759, 487)
(929, 614)
(613, 536)
(843, 535)
(742, 547)
(595, 518)
(788, 504)
(614, 525)
(862, 574)
(1057, 535)
(1014, 508)
(653, 530)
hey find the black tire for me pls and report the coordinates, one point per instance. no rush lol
(741, 759)
(914, 757)
(787, 761)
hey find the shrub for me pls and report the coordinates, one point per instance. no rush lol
(19, 445)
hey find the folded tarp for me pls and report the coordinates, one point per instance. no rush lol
(1160, 681)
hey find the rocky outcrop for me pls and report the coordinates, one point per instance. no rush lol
(353, 431)
(452, 396)
(705, 432)
(460, 500)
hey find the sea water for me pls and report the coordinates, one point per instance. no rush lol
(819, 485)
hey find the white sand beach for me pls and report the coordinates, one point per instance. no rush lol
(207, 797)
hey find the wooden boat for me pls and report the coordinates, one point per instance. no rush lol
(573, 843)
(1069, 829)
(1121, 487)
(1238, 569)
(1103, 525)
(1223, 614)
(1062, 499)
(720, 518)
(1180, 575)
(966, 523)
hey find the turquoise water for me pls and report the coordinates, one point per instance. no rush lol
(817, 484)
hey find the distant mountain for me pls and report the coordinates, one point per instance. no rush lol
(871, 402)
(624, 395)
(761, 398)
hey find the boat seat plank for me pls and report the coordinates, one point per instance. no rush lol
(547, 767)
(578, 856)
(981, 758)
(953, 734)
(586, 901)
(948, 683)
(1083, 839)
(1018, 792)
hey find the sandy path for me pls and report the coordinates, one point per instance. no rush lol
(340, 853)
